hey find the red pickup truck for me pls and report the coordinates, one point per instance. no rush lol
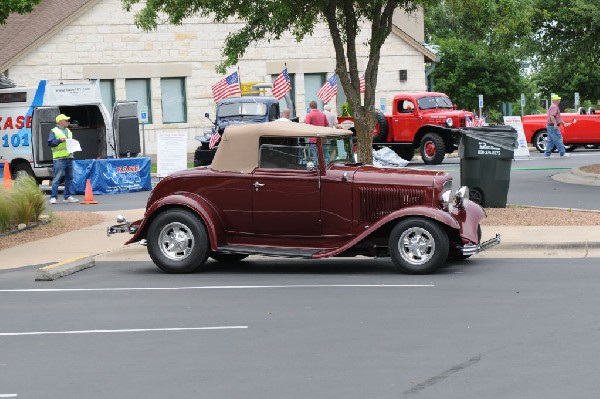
(585, 131)
(419, 120)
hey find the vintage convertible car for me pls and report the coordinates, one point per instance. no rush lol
(584, 132)
(295, 190)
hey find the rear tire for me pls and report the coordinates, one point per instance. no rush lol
(433, 149)
(381, 128)
(418, 246)
(177, 241)
(540, 140)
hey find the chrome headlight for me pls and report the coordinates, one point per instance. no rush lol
(207, 134)
(460, 197)
(446, 196)
(449, 122)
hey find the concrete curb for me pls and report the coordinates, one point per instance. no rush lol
(64, 268)
(545, 246)
(578, 176)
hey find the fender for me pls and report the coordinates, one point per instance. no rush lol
(430, 213)
(195, 203)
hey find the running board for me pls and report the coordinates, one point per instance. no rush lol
(270, 251)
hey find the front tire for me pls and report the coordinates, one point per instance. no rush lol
(433, 149)
(418, 246)
(177, 241)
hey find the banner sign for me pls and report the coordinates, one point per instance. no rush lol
(515, 122)
(112, 176)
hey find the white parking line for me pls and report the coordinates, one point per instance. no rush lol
(121, 331)
(8, 395)
(223, 287)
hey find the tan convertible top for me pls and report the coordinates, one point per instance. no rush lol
(238, 149)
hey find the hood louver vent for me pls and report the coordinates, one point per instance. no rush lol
(376, 203)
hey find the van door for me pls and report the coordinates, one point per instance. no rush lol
(126, 129)
(44, 120)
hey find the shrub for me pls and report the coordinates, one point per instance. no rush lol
(23, 204)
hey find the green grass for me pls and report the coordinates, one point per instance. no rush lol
(153, 167)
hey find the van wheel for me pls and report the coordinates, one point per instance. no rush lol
(177, 241)
(418, 246)
(433, 149)
(380, 132)
(22, 169)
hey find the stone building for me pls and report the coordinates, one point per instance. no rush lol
(171, 70)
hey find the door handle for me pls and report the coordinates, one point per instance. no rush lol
(258, 185)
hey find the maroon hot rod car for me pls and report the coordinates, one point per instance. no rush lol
(295, 190)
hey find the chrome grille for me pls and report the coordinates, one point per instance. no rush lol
(376, 202)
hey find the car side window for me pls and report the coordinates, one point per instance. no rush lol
(273, 112)
(292, 153)
(405, 106)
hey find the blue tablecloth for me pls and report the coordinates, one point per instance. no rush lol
(112, 176)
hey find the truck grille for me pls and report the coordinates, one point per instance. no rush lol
(376, 202)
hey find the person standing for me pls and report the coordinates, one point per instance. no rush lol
(554, 136)
(315, 117)
(63, 159)
(331, 117)
(285, 116)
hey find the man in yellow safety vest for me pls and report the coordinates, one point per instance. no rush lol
(63, 159)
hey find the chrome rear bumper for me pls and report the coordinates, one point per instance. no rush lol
(475, 249)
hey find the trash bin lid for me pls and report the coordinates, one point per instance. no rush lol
(501, 136)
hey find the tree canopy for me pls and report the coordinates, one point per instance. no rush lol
(269, 20)
(8, 7)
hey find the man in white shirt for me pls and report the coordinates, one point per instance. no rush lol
(331, 117)
(285, 116)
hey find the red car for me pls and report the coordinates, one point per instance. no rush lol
(583, 131)
(294, 190)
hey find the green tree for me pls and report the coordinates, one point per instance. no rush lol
(269, 20)
(467, 69)
(8, 7)
(566, 46)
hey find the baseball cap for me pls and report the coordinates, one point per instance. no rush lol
(555, 97)
(62, 117)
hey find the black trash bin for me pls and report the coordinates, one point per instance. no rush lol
(486, 154)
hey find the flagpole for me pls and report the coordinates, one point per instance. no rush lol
(239, 80)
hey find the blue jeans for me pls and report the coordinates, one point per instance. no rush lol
(554, 140)
(62, 167)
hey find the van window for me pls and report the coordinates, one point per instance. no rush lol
(16, 97)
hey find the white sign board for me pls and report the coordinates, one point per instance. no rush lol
(481, 101)
(515, 122)
(522, 99)
(143, 116)
(382, 104)
(171, 153)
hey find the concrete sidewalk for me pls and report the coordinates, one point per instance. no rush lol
(517, 242)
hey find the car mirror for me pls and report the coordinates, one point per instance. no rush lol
(207, 115)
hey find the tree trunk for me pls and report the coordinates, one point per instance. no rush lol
(364, 122)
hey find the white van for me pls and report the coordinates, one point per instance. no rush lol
(28, 114)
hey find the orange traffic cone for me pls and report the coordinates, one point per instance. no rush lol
(7, 182)
(89, 194)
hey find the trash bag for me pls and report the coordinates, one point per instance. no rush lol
(386, 158)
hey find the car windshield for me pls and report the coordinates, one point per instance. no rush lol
(338, 149)
(431, 102)
(242, 109)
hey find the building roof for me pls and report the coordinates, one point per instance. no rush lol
(428, 54)
(23, 33)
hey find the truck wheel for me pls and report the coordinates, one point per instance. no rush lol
(433, 149)
(380, 132)
(418, 246)
(540, 140)
(177, 241)
(405, 153)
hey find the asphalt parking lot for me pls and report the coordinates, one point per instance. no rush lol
(350, 328)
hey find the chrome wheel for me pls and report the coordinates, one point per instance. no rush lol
(176, 241)
(540, 141)
(416, 246)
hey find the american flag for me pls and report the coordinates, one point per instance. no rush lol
(213, 140)
(281, 85)
(475, 122)
(362, 83)
(328, 90)
(227, 87)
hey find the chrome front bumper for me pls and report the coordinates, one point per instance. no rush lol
(123, 226)
(469, 250)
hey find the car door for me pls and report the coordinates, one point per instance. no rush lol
(286, 198)
(405, 121)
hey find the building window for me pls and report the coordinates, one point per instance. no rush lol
(173, 100)
(312, 84)
(139, 90)
(282, 103)
(107, 90)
